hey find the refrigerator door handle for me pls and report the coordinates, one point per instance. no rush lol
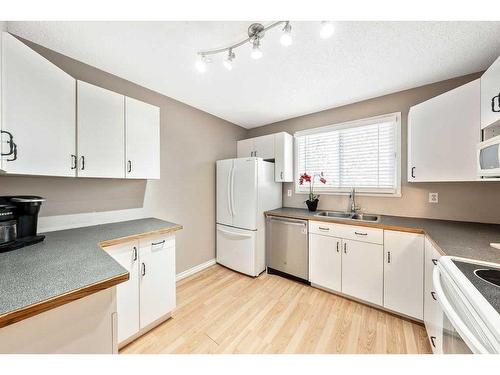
(229, 192)
(232, 192)
(234, 234)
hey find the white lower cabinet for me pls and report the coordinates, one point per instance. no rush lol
(433, 315)
(325, 261)
(149, 294)
(157, 285)
(404, 272)
(382, 267)
(363, 270)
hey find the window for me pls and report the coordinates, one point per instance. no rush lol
(364, 154)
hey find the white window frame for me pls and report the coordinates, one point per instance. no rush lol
(346, 125)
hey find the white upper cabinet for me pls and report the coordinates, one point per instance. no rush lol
(101, 132)
(142, 136)
(490, 95)
(38, 109)
(443, 133)
(277, 147)
(404, 273)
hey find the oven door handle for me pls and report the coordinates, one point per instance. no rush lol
(455, 320)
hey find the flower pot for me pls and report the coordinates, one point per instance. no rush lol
(312, 205)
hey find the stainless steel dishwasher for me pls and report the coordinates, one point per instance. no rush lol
(287, 248)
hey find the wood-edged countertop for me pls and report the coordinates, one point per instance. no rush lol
(67, 265)
(455, 238)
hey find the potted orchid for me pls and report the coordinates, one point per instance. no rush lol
(312, 202)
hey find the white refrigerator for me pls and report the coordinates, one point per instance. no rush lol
(245, 190)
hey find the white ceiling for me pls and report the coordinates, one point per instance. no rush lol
(362, 60)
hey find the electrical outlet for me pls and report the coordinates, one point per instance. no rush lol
(433, 197)
(289, 192)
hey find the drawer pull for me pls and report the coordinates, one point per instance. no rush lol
(433, 294)
(361, 234)
(432, 341)
(345, 248)
(157, 243)
(388, 257)
(143, 269)
(338, 246)
(135, 253)
(435, 261)
(323, 228)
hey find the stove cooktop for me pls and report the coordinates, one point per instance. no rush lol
(490, 291)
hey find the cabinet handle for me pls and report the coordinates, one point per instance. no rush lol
(10, 142)
(433, 294)
(129, 163)
(388, 257)
(281, 175)
(135, 253)
(255, 153)
(157, 243)
(323, 228)
(361, 234)
(345, 248)
(432, 341)
(413, 172)
(143, 273)
(14, 153)
(338, 246)
(82, 158)
(435, 261)
(73, 161)
(493, 103)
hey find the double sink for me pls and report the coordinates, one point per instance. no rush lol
(349, 216)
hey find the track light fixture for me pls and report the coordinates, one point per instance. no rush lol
(286, 38)
(256, 32)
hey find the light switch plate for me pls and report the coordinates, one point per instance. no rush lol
(289, 192)
(433, 197)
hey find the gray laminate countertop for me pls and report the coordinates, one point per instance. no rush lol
(66, 261)
(455, 238)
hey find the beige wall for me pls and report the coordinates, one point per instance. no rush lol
(191, 142)
(474, 201)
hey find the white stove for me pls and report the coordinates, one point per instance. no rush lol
(469, 295)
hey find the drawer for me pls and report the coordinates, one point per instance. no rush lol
(327, 229)
(358, 233)
(157, 242)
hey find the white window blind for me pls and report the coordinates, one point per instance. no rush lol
(363, 154)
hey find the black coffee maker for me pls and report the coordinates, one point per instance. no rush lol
(19, 221)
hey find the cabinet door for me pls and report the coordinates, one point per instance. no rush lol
(101, 132)
(39, 104)
(443, 133)
(283, 161)
(142, 124)
(362, 270)
(264, 147)
(404, 273)
(433, 315)
(245, 148)
(325, 261)
(157, 279)
(490, 95)
(127, 293)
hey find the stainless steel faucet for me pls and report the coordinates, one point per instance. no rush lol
(352, 201)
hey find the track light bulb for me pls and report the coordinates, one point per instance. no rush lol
(327, 29)
(286, 38)
(256, 51)
(201, 64)
(228, 61)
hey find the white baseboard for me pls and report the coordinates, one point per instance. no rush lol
(195, 269)
(61, 222)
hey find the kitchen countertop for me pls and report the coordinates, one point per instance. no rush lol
(67, 265)
(455, 238)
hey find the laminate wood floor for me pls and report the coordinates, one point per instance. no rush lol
(221, 311)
